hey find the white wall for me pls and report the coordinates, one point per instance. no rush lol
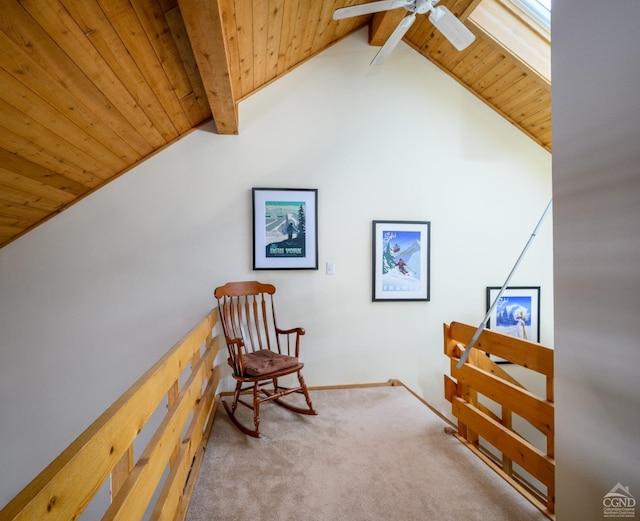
(596, 184)
(93, 297)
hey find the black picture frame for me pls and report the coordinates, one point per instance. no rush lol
(285, 228)
(517, 313)
(401, 261)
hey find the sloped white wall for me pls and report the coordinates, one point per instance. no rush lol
(596, 170)
(93, 297)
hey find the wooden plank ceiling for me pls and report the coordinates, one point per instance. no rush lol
(90, 88)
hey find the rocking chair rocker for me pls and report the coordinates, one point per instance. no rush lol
(259, 351)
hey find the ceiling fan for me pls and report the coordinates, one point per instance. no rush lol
(443, 19)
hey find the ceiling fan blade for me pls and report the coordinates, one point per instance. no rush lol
(451, 28)
(371, 7)
(394, 39)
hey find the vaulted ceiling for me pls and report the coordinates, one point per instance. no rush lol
(90, 88)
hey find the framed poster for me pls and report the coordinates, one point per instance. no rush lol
(285, 229)
(517, 313)
(401, 251)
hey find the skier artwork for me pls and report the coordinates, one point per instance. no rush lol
(285, 234)
(516, 312)
(401, 260)
(513, 316)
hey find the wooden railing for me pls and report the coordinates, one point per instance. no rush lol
(166, 468)
(485, 398)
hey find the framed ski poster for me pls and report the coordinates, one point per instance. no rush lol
(285, 229)
(517, 313)
(401, 262)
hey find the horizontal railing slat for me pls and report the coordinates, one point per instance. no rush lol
(535, 410)
(516, 448)
(521, 352)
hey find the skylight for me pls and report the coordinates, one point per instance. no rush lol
(538, 10)
(521, 27)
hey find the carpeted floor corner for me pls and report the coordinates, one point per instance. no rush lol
(374, 453)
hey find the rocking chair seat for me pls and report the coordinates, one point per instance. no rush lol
(265, 361)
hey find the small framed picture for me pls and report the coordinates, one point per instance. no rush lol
(285, 228)
(401, 260)
(517, 312)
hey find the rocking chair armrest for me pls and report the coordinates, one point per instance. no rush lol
(298, 332)
(236, 356)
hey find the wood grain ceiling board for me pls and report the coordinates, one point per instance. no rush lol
(89, 89)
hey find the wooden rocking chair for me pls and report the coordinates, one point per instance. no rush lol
(259, 351)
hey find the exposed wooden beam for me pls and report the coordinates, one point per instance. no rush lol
(204, 22)
(383, 24)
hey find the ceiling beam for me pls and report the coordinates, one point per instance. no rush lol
(382, 25)
(203, 21)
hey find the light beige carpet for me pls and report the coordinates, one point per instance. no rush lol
(371, 454)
